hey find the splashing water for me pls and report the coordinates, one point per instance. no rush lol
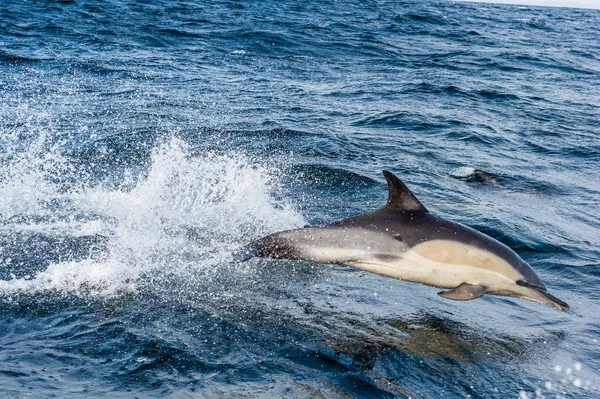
(184, 217)
(463, 172)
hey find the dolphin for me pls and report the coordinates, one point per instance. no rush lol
(483, 176)
(404, 240)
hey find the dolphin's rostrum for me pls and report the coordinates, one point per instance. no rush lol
(405, 241)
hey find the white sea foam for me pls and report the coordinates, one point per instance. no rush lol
(462, 172)
(186, 214)
(86, 277)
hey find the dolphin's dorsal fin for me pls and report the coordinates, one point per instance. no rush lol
(400, 198)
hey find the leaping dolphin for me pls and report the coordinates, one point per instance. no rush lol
(405, 241)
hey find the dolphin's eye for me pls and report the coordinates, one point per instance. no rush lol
(397, 237)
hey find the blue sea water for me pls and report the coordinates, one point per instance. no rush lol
(142, 142)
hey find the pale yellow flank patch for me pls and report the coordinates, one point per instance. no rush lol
(456, 253)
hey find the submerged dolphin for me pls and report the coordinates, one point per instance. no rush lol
(403, 240)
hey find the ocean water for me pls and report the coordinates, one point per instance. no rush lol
(142, 142)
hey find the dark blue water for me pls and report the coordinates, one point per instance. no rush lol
(141, 142)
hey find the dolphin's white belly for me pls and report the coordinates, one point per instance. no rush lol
(437, 274)
(438, 263)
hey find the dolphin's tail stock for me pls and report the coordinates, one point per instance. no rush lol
(271, 246)
(266, 247)
(245, 253)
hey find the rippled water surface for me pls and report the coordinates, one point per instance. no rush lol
(142, 142)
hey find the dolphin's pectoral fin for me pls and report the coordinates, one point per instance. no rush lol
(464, 292)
